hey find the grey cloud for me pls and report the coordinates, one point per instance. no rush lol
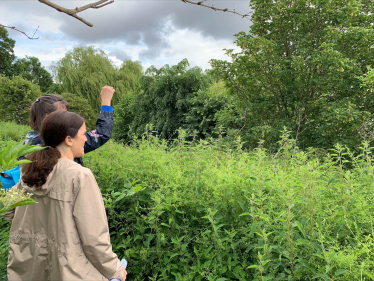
(119, 54)
(141, 22)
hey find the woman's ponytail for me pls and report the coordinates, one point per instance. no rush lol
(36, 173)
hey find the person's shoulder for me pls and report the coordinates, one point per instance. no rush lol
(76, 174)
(74, 169)
(33, 137)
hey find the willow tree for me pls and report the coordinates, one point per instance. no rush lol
(85, 70)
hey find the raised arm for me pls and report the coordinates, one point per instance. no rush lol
(104, 124)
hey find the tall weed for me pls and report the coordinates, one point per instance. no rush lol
(200, 211)
(197, 212)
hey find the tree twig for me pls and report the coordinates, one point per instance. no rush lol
(200, 3)
(73, 12)
(14, 28)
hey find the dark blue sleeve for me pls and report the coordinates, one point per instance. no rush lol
(103, 132)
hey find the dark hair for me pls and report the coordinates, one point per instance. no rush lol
(42, 106)
(55, 128)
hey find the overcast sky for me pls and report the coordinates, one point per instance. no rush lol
(153, 32)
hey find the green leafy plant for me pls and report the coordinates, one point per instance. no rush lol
(8, 159)
(16, 96)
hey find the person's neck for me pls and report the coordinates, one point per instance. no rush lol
(65, 153)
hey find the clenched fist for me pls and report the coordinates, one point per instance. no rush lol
(106, 95)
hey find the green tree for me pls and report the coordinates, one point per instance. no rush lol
(81, 106)
(85, 70)
(299, 67)
(201, 118)
(6, 52)
(16, 96)
(165, 97)
(125, 112)
(30, 68)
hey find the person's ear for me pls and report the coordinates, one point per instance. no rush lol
(69, 141)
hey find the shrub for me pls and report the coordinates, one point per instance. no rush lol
(16, 97)
(13, 132)
(124, 114)
(194, 212)
(197, 212)
(201, 119)
(166, 96)
(4, 243)
(4, 231)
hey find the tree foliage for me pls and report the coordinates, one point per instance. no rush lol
(30, 68)
(299, 66)
(6, 52)
(125, 112)
(166, 96)
(201, 118)
(85, 70)
(16, 96)
(82, 107)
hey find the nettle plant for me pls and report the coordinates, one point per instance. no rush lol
(8, 159)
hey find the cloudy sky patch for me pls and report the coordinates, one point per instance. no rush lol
(153, 32)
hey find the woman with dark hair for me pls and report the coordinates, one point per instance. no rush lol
(64, 236)
(47, 104)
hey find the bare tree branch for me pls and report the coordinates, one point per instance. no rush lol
(14, 28)
(200, 3)
(73, 12)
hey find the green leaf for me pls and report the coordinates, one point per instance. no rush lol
(317, 255)
(306, 243)
(369, 275)
(24, 202)
(300, 227)
(164, 224)
(137, 188)
(1, 205)
(32, 149)
(23, 161)
(253, 266)
(340, 271)
(244, 214)
(123, 195)
(323, 276)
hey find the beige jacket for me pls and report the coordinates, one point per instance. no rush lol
(64, 236)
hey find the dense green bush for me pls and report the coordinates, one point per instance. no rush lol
(124, 114)
(16, 97)
(195, 211)
(197, 117)
(4, 243)
(13, 132)
(165, 98)
(4, 224)
(201, 120)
